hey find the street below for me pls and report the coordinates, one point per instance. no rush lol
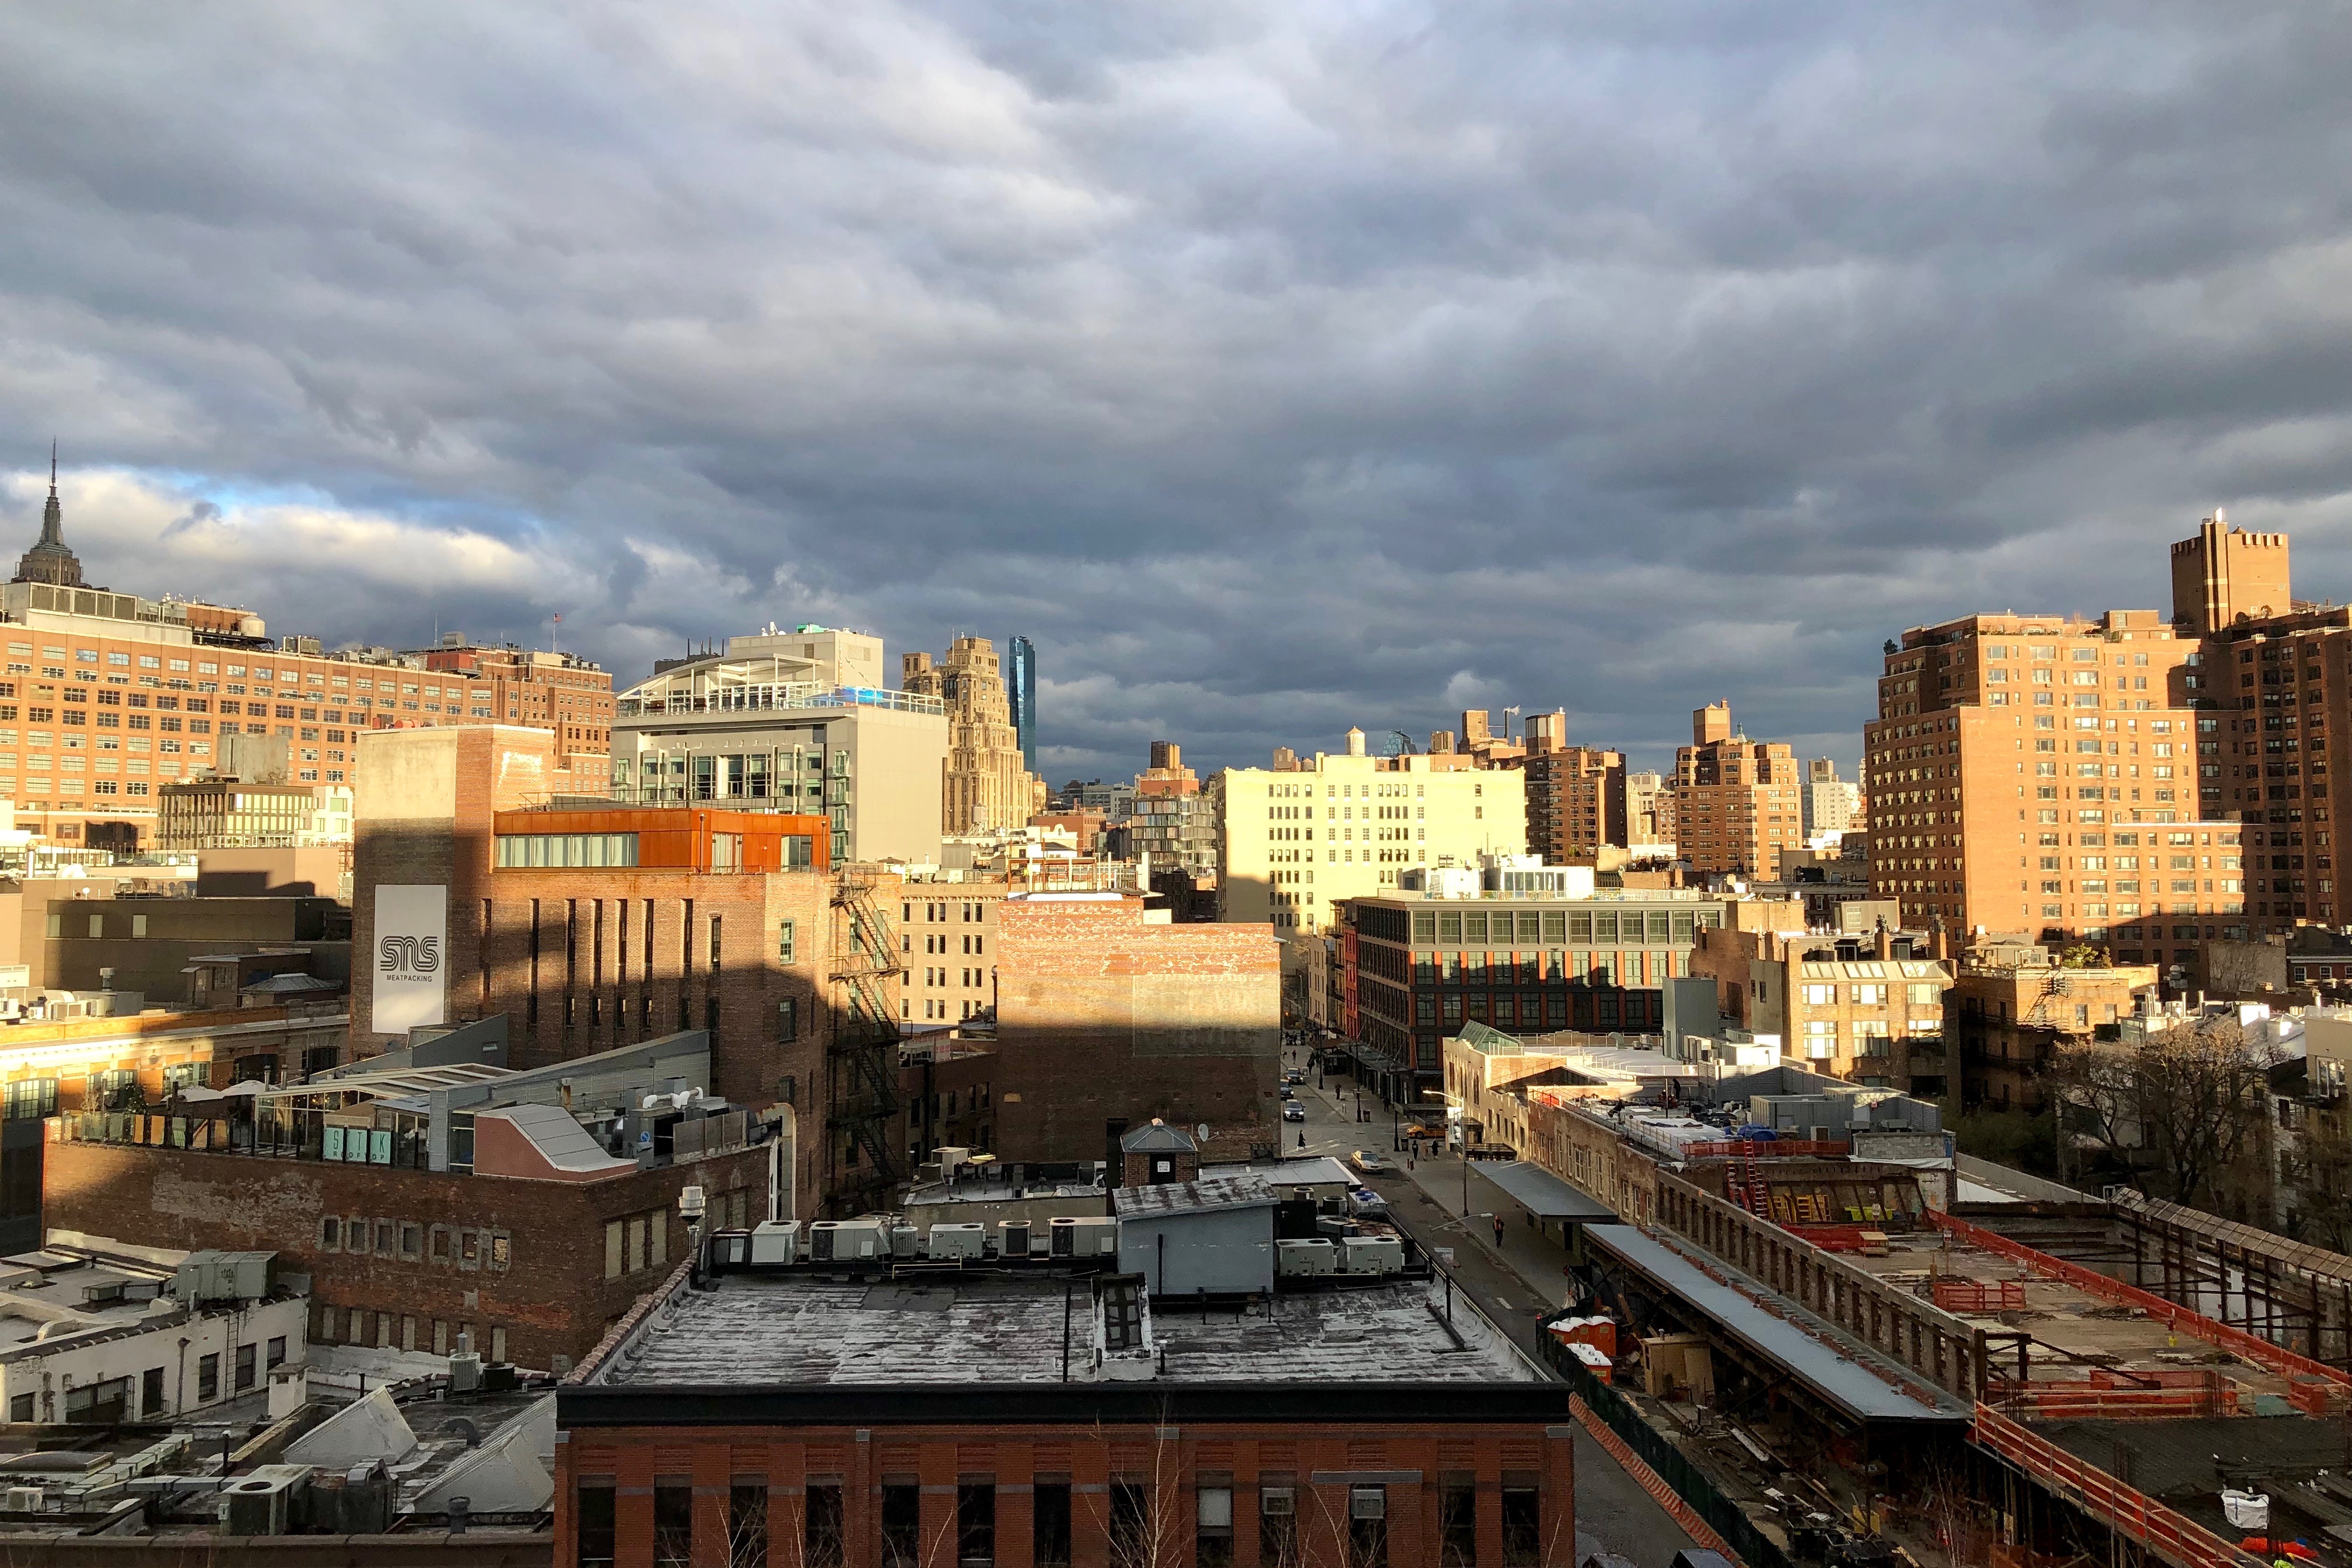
(1517, 1284)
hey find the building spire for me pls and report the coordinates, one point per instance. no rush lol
(52, 514)
(49, 561)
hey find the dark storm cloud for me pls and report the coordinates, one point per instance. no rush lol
(1274, 368)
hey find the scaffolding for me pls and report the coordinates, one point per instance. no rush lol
(862, 1060)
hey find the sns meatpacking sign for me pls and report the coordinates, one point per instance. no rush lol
(412, 945)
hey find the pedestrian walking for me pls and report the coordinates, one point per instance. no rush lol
(1498, 1233)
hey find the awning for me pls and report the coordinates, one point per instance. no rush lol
(1543, 1195)
(1837, 1368)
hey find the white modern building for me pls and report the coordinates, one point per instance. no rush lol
(790, 721)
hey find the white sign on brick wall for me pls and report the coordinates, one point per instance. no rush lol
(412, 950)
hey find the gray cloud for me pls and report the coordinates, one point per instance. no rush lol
(1274, 368)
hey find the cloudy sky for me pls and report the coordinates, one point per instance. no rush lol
(1275, 368)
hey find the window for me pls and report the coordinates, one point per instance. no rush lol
(1522, 1525)
(902, 1523)
(1368, 1527)
(207, 1379)
(784, 943)
(1278, 1523)
(1820, 995)
(820, 1530)
(1130, 1523)
(1213, 1544)
(673, 1521)
(1049, 1515)
(975, 1523)
(747, 1524)
(1457, 1521)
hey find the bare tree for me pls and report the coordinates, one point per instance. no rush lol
(2183, 1109)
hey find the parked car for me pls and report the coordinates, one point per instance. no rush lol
(1295, 1075)
(1371, 1162)
(1294, 1112)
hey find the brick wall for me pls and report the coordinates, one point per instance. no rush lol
(552, 1298)
(1100, 1016)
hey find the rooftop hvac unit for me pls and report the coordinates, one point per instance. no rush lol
(24, 1499)
(957, 1240)
(211, 1276)
(776, 1242)
(1084, 1237)
(841, 1240)
(1305, 1258)
(1373, 1254)
(949, 1158)
(1013, 1237)
(903, 1239)
(262, 1503)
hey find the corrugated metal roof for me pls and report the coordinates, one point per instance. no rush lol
(1810, 1349)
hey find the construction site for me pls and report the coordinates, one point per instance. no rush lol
(1837, 1358)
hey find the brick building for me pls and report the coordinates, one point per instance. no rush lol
(561, 693)
(106, 696)
(1576, 801)
(1738, 803)
(1417, 965)
(591, 929)
(782, 1417)
(1846, 1005)
(534, 1260)
(1105, 1020)
(2012, 1010)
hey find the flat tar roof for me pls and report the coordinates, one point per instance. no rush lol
(1807, 1347)
(757, 1330)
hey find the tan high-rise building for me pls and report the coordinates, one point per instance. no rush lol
(986, 784)
(2225, 574)
(2275, 696)
(2037, 774)
(1648, 810)
(1576, 802)
(1738, 803)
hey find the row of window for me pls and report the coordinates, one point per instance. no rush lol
(109, 1402)
(1676, 926)
(1129, 1518)
(465, 1246)
(332, 1325)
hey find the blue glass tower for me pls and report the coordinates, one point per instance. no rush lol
(1020, 690)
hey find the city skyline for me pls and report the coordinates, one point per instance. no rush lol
(1668, 362)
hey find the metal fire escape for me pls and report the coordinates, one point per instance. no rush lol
(862, 1062)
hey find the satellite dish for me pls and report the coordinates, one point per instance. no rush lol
(1202, 1132)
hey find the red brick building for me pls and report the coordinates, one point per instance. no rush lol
(1104, 1018)
(779, 1417)
(406, 1258)
(559, 693)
